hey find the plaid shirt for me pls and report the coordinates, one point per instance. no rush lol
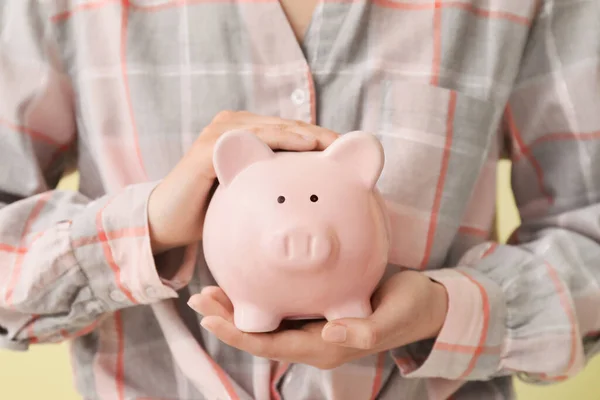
(448, 86)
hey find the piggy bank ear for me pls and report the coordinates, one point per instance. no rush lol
(361, 153)
(236, 150)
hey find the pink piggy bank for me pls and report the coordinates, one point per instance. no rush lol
(294, 235)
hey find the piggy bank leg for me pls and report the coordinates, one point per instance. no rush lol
(249, 318)
(354, 309)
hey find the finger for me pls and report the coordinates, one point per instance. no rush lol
(207, 306)
(392, 319)
(295, 346)
(353, 332)
(219, 295)
(323, 135)
(249, 118)
(256, 344)
(325, 139)
(287, 140)
(289, 345)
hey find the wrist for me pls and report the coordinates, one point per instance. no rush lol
(439, 309)
(176, 209)
(159, 240)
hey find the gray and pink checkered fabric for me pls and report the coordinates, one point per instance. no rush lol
(120, 89)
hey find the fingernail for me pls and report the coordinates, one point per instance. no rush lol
(335, 334)
(205, 325)
(193, 306)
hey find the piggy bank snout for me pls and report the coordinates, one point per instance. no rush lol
(303, 247)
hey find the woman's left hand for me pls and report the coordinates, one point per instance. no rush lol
(408, 307)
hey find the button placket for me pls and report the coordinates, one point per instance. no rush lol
(117, 296)
(301, 101)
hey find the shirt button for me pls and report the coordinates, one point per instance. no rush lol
(92, 308)
(298, 96)
(152, 293)
(118, 296)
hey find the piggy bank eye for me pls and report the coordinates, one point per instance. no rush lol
(280, 199)
(314, 198)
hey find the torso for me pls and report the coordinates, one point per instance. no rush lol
(431, 83)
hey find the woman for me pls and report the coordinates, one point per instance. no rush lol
(447, 86)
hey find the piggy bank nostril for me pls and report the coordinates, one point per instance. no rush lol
(322, 247)
(314, 198)
(301, 245)
(318, 247)
(280, 199)
(288, 251)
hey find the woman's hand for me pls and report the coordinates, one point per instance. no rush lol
(177, 205)
(408, 307)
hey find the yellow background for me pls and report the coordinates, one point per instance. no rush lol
(44, 372)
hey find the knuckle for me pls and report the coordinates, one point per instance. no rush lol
(276, 143)
(326, 365)
(237, 340)
(201, 141)
(263, 350)
(369, 340)
(225, 115)
(330, 138)
(333, 360)
(330, 364)
(256, 130)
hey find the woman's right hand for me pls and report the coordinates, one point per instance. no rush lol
(177, 205)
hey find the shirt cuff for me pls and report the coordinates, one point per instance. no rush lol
(469, 344)
(12, 322)
(111, 243)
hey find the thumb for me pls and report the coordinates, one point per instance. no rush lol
(352, 332)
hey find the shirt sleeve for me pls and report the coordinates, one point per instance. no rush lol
(65, 260)
(531, 307)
